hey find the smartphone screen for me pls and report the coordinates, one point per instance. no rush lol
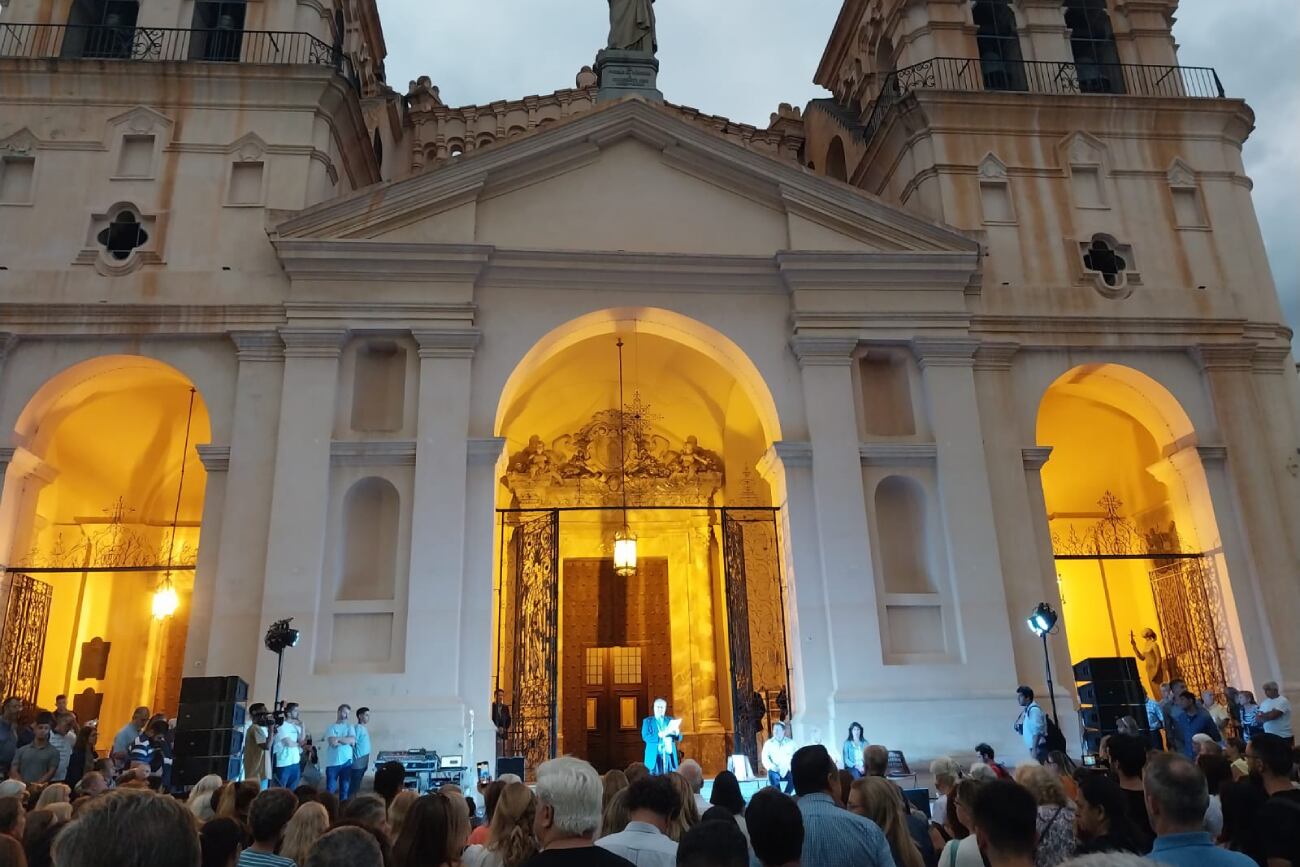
(483, 775)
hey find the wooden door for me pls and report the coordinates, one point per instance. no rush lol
(615, 702)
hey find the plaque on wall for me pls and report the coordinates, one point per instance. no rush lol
(94, 660)
(86, 704)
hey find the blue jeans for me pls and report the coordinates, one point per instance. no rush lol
(774, 780)
(287, 776)
(338, 780)
(359, 774)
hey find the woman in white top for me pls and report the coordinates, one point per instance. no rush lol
(510, 836)
(963, 850)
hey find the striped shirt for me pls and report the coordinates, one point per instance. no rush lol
(249, 858)
(834, 837)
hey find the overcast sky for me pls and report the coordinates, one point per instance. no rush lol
(740, 58)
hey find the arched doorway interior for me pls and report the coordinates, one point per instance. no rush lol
(109, 469)
(704, 610)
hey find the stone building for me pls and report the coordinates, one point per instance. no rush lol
(991, 325)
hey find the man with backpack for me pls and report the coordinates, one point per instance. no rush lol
(1032, 724)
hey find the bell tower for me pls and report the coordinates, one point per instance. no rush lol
(1062, 133)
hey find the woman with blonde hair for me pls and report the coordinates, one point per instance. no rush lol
(510, 842)
(879, 800)
(1056, 815)
(613, 782)
(614, 819)
(201, 797)
(300, 834)
(689, 816)
(54, 793)
(398, 810)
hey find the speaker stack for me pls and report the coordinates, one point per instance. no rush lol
(209, 729)
(1109, 690)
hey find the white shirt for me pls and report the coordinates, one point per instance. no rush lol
(1032, 724)
(642, 844)
(285, 756)
(64, 744)
(478, 855)
(702, 805)
(939, 810)
(967, 853)
(777, 755)
(1282, 725)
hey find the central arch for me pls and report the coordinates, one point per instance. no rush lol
(698, 420)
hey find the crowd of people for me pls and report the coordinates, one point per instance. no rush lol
(1209, 800)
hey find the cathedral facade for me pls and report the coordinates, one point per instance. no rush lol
(596, 399)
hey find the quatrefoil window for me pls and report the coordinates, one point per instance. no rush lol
(1101, 258)
(123, 236)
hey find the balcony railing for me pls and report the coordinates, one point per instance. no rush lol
(160, 44)
(1040, 76)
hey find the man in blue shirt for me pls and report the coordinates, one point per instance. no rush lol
(833, 837)
(1193, 720)
(361, 749)
(1177, 797)
(339, 740)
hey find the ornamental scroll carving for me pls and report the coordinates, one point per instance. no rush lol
(583, 468)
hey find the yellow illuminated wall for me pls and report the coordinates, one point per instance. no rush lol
(114, 435)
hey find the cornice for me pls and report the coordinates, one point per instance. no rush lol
(995, 355)
(1212, 455)
(313, 342)
(448, 342)
(367, 314)
(622, 271)
(1237, 357)
(90, 320)
(216, 459)
(945, 351)
(484, 451)
(824, 350)
(8, 340)
(1271, 359)
(257, 345)
(352, 260)
(892, 454)
(373, 453)
(1033, 457)
(940, 269)
(793, 453)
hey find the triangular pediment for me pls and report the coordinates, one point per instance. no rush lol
(628, 177)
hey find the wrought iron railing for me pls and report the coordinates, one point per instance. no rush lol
(160, 44)
(1040, 76)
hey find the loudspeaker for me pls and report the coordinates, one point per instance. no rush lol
(510, 765)
(209, 690)
(188, 770)
(209, 742)
(1112, 692)
(210, 715)
(1107, 668)
(1106, 717)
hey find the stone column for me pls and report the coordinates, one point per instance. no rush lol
(704, 657)
(438, 578)
(300, 499)
(25, 475)
(1049, 588)
(478, 611)
(1251, 468)
(216, 463)
(966, 502)
(238, 540)
(826, 370)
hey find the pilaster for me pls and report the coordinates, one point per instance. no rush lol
(299, 498)
(1042, 30)
(479, 552)
(439, 581)
(216, 464)
(966, 502)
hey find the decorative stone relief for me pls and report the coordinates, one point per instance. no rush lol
(21, 144)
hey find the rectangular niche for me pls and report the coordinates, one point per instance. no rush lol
(135, 160)
(914, 630)
(362, 639)
(245, 183)
(886, 390)
(16, 175)
(379, 386)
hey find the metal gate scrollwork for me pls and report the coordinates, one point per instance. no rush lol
(1183, 606)
(536, 638)
(756, 628)
(22, 647)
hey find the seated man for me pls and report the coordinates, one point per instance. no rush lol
(777, 754)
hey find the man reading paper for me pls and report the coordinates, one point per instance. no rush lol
(661, 734)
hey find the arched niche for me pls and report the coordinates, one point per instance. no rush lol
(371, 520)
(835, 162)
(902, 531)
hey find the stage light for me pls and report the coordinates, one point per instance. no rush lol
(165, 600)
(1042, 620)
(280, 635)
(624, 553)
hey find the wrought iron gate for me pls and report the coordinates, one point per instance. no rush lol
(756, 624)
(1183, 594)
(535, 638)
(22, 647)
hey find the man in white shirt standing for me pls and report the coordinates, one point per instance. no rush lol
(1031, 724)
(777, 753)
(651, 803)
(339, 740)
(64, 738)
(288, 748)
(361, 749)
(1275, 714)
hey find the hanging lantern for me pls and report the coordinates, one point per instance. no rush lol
(165, 600)
(624, 553)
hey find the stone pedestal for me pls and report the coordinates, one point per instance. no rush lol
(627, 73)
